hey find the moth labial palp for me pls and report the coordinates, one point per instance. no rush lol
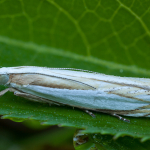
(83, 89)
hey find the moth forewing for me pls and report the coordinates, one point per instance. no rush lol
(80, 88)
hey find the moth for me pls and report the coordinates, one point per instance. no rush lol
(83, 89)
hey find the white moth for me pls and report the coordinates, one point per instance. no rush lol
(80, 88)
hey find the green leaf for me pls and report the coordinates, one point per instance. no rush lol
(111, 37)
(105, 142)
(19, 109)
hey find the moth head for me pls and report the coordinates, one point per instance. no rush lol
(4, 79)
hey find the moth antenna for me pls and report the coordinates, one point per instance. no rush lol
(121, 118)
(90, 113)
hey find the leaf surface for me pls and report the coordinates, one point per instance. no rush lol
(111, 37)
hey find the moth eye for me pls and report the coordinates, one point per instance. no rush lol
(4, 79)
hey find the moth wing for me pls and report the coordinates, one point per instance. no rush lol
(86, 99)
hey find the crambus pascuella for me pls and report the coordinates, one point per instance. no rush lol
(80, 88)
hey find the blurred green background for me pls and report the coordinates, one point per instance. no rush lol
(111, 37)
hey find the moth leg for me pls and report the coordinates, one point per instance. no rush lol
(121, 118)
(4, 91)
(90, 113)
(33, 97)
